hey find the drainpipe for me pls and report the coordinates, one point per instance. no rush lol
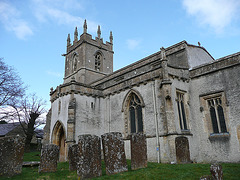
(109, 106)
(156, 122)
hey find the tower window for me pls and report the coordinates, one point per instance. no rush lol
(75, 64)
(98, 58)
(181, 111)
(135, 114)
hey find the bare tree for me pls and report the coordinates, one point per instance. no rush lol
(15, 106)
(29, 112)
(11, 86)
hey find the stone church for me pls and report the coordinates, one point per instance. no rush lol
(186, 102)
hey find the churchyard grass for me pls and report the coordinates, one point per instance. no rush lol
(32, 156)
(153, 171)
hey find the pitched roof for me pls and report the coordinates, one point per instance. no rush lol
(39, 133)
(6, 128)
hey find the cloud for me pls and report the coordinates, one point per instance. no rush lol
(55, 74)
(62, 17)
(60, 4)
(11, 19)
(59, 11)
(133, 43)
(217, 14)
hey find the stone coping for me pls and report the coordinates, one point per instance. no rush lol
(222, 63)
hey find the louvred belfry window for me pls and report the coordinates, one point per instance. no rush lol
(98, 58)
(135, 114)
(75, 61)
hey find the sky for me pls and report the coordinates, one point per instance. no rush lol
(33, 33)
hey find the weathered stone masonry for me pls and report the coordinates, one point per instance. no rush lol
(180, 91)
(49, 158)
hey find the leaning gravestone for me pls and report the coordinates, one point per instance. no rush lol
(216, 171)
(11, 155)
(73, 156)
(114, 154)
(49, 158)
(138, 151)
(89, 161)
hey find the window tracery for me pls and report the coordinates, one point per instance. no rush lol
(135, 114)
(214, 107)
(217, 115)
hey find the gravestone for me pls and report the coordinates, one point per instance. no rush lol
(73, 156)
(11, 155)
(216, 171)
(114, 154)
(138, 151)
(49, 158)
(89, 161)
(182, 150)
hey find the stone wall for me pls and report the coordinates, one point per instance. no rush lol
(61, 116)
(198, 55)
(47, 130)
(219, 148)
(89, 116)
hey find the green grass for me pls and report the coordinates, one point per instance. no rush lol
(32, 156)
(153, 171)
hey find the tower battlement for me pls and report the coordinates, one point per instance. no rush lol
(88, 59)
(87, 38)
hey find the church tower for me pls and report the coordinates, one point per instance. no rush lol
(87, 59)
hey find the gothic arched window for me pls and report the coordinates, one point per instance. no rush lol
(98, 58)
(217, 115)
(181, 110)
(135, 114)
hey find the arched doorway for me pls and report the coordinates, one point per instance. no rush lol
(58, 138)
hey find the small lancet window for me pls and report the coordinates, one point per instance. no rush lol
(59, 107)
(217, 115)
(135, 114)
(75, 64)
(98, 58)
(181, 111)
